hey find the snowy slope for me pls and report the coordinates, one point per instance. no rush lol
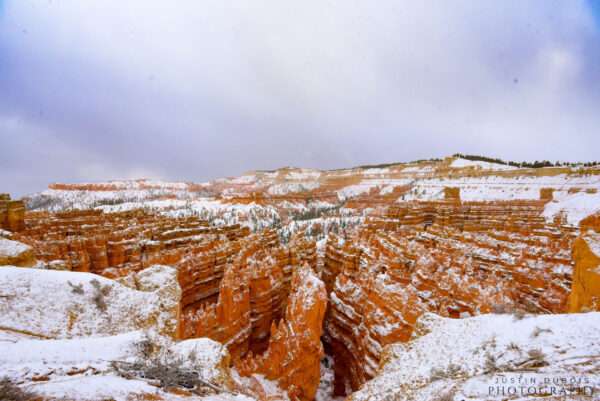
(462, 163)
(81, 369)
(63, 304)
(462, 359)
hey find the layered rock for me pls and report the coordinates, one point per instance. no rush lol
(454, 259)
(294, 349)
(12, 213)
(585, 294)
(251, 295)
(114, 244)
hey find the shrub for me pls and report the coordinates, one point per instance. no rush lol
(100, 293)
(9, 391)
(76, 288)
(537, 331)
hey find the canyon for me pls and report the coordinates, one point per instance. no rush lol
(294, 272)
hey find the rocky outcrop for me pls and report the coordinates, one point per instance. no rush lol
(15, 253)
(58, 304)
(294, 349)
(585, 291)
(115, 244)
(252, 293)
(227, 321)
(12, 214)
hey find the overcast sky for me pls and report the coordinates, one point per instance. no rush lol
(199, 89)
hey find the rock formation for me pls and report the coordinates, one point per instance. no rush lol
(15, 253)
(294, 350)
(12, 213)
(390, 243)
(585, 292)
(454, 259)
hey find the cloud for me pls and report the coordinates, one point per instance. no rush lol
(192, 91)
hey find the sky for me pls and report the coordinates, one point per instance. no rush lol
(194, 90)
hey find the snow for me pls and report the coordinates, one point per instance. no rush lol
(25, 305)
(80, 368)
(469, 354)
(495, 188)
(218, 213)
(12, 249)
(304, 174)
(27, 356)
(292, 187)
(244, 179)
(462, 163)
(326, 385)
(575, 206)
(376, 171)
(417, 169)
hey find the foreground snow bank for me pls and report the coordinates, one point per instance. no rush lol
(62, 304)
(492, 357)
(82, 369)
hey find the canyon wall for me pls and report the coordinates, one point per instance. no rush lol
(454, 259)
(585, 295)
(294, 349)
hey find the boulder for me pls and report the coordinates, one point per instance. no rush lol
(15, 253)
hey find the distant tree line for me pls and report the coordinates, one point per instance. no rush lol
(535, 164)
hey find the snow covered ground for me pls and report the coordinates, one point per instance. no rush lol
(462, 163)
(490, 357)
(64, 304)
(575, 206)
(62, 332)
(82, 368)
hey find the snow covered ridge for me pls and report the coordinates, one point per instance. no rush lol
(462, 163)
(492, 357)
(63, 304)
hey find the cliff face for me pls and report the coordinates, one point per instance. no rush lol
(12, 214)
(294, 350)
(585, 292)
(115, 244)
(454, 259)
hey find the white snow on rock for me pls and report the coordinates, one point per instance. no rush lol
(463, 358)
(292, 187)
(63, 304)
(357, 189)
(575, 206)
(593, 241)
(12, 249)
(498, 188)
(462, 163)
(304, 175)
